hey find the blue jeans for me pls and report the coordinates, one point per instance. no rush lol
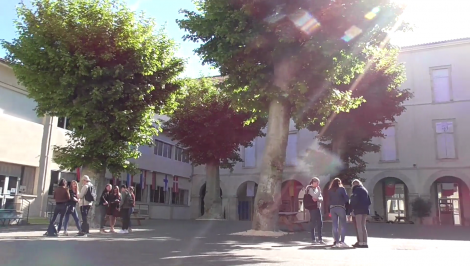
(131, 211)
(71, 210)
(338, 215)
(316, 224)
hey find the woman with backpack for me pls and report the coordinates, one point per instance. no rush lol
(72, 210)
(360, 202)
(86, 198)
(312, 202)
(338, 198)
(131, 209)
(61, 197)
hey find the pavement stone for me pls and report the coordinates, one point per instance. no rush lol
(211, 243)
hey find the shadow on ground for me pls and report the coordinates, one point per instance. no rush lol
(184, 243)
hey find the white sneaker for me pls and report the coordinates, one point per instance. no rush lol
(343, 245)
(123, 232)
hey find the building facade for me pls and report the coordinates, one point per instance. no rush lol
(28, 173)
(425, 154)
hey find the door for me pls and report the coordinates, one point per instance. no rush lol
(446, 211)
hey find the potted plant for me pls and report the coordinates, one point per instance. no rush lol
(421, 208)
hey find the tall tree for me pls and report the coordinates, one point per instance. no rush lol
(211, 131)
(286, 58)
(350, 135)
(101, 66)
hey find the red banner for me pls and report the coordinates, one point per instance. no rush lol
(389, 189)
(78, 174)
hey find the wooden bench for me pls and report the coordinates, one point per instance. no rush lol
(141, 212)
(289, 219)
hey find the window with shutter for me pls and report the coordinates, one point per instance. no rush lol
(388, 148)
(291, 152)
(441, 85)
(445, 140)
(250, 156)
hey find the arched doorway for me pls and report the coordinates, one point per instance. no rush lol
(202, 194)
(390, 200)
(246, 194)
(290, 200)
(450, 196)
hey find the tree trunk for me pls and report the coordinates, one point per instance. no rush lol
(99, 182)
(212, 200)
(268, 196)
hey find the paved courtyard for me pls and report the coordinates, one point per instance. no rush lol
(217, 243)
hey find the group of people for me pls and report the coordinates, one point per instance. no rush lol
(340, 205)
(114, 203)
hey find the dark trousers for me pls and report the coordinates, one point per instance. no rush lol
(71, 210)
(102, 212)
(84, 211)
(126, 218)
(316, 224)
(60, 209)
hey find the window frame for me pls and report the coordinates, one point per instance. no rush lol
(183, 156)
(436, 144)
(394, 125)
(256, 156)
(163, 150)
(433, 91)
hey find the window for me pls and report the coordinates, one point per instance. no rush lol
(249, 158)
(64, 122)
(388, 148)
(54, 182)
(445, 140)
(291, 152)
(441, 85)
(157, 195)
(181, 155)
(163, 149)
(137, 191)
(180, 197)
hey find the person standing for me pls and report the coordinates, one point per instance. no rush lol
(131, 209)
(86, 199)
(360, 203)
(126, 204)
(61, 197)
(72, 210)
(316, 220)
(103, 205)
(338, 198)
(113, 207)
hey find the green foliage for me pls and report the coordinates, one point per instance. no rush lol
(206, 124)
(421, 208)
(383, 101)
(289, 49)
(101, 66)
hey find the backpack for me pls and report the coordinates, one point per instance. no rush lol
(309, 204)
(90, 195)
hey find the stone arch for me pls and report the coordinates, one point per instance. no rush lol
(370, 183)
(441, 173)
(245, 203)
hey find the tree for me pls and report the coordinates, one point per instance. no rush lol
(102, 67)
(421, 208)
(211, 131)
(287, 58)
(349, 135)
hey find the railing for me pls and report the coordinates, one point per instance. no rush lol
(23, 200)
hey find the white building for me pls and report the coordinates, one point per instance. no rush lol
(426, 154)
(28, 173)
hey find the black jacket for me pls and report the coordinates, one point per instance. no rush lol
(105, 196)
(360, 200)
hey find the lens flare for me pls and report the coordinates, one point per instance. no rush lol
(305, 21)
(351, 33)
(373, 13)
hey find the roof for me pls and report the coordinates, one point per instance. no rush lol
(436, 42)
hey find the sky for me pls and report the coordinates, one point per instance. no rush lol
(432, 20)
